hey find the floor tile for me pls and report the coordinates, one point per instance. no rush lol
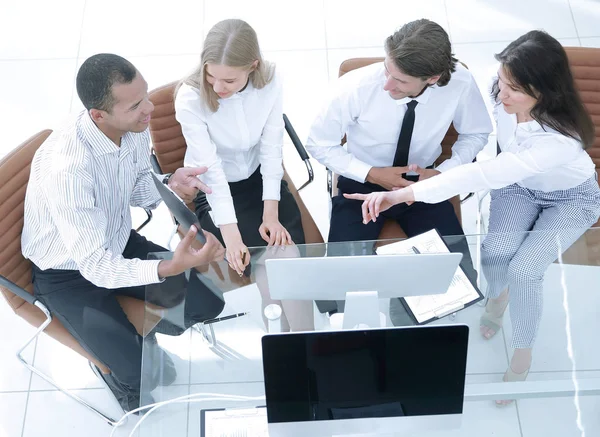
(301, 25)
(558, 417)
(355, 24)
(12, 412)
(142, 28)
(590, 42)
(31, 29)
(65, 366)
(304, 89)
(13, 375)
(36, 95)
(551, 350)
(53, 410)
(586, 14)
(487, 20)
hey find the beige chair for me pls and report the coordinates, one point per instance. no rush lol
(391, 229)
(15, 271)
(585, 66)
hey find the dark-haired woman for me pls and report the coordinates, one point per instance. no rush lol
(542, 181)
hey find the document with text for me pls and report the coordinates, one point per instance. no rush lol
(460, 294)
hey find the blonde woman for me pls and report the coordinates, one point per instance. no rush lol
(230, 111)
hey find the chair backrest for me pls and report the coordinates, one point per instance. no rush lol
(167, 139)
(14, 177)
(585, 66)
(169, 147)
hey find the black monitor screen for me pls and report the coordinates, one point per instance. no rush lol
(365, 373)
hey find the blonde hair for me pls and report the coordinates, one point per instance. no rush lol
(232, 43)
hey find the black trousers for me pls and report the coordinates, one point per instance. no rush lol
(248, 204)
(347, 225)
(94, 317)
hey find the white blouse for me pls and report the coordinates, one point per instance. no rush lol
(533, 156)
(245, 132)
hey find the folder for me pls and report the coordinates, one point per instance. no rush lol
(425, 309)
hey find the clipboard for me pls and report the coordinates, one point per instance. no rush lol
(260, 428)
(426, 309)
(184, 216)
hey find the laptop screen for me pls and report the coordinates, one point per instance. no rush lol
(388, 372)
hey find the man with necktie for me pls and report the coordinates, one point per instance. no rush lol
(395, 114)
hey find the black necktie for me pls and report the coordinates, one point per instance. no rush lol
(401, 157)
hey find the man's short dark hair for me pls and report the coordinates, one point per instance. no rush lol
(96, 77)
(422, 49)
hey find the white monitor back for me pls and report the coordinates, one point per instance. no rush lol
(330, 278)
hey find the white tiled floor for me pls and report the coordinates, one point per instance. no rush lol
(41, 45)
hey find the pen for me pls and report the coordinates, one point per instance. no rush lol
(244, 257)
(221, 319)
(415, 250)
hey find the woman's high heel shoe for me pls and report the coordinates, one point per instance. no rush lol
(512, 376)
(493, 319)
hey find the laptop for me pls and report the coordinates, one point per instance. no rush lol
(398, 380)
(184, 216)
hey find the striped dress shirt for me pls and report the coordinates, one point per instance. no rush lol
(77, 206)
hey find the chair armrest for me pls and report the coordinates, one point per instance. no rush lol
(300, 149)
(155, 164)
(15, 289)
(149, 214)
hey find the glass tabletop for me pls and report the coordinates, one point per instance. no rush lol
(207, 325)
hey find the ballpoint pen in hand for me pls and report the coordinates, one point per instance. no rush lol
(221, 319)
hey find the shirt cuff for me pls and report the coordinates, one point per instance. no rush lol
(358, 170)
(271, 189)
(447, 165)
(148, 272)
(224, 213)
(422, 190)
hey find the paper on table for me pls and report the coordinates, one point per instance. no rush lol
(236, 422)
(460, 293)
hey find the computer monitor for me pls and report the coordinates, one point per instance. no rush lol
(404, 380)
(361, 280)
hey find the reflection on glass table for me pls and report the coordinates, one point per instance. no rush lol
(225, 357)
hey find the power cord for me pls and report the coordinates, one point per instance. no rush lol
(182, 399)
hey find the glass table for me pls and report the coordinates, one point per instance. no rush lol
(219, 365)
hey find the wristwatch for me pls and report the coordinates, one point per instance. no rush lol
(166, 178)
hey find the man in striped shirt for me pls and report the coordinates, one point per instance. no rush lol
(77, 230)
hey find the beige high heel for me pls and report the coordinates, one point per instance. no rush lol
(491, 321)
(512, 376)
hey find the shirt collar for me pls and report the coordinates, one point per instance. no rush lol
(422, 99)
(99, 142)
(528, 126)
(241, 94)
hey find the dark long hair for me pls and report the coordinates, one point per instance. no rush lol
(537, 65)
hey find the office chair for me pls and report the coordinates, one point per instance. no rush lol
(15, 271)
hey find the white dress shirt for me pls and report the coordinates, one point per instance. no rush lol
(245, 132)
(77, 206)
(534, 156)
(371, 119)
